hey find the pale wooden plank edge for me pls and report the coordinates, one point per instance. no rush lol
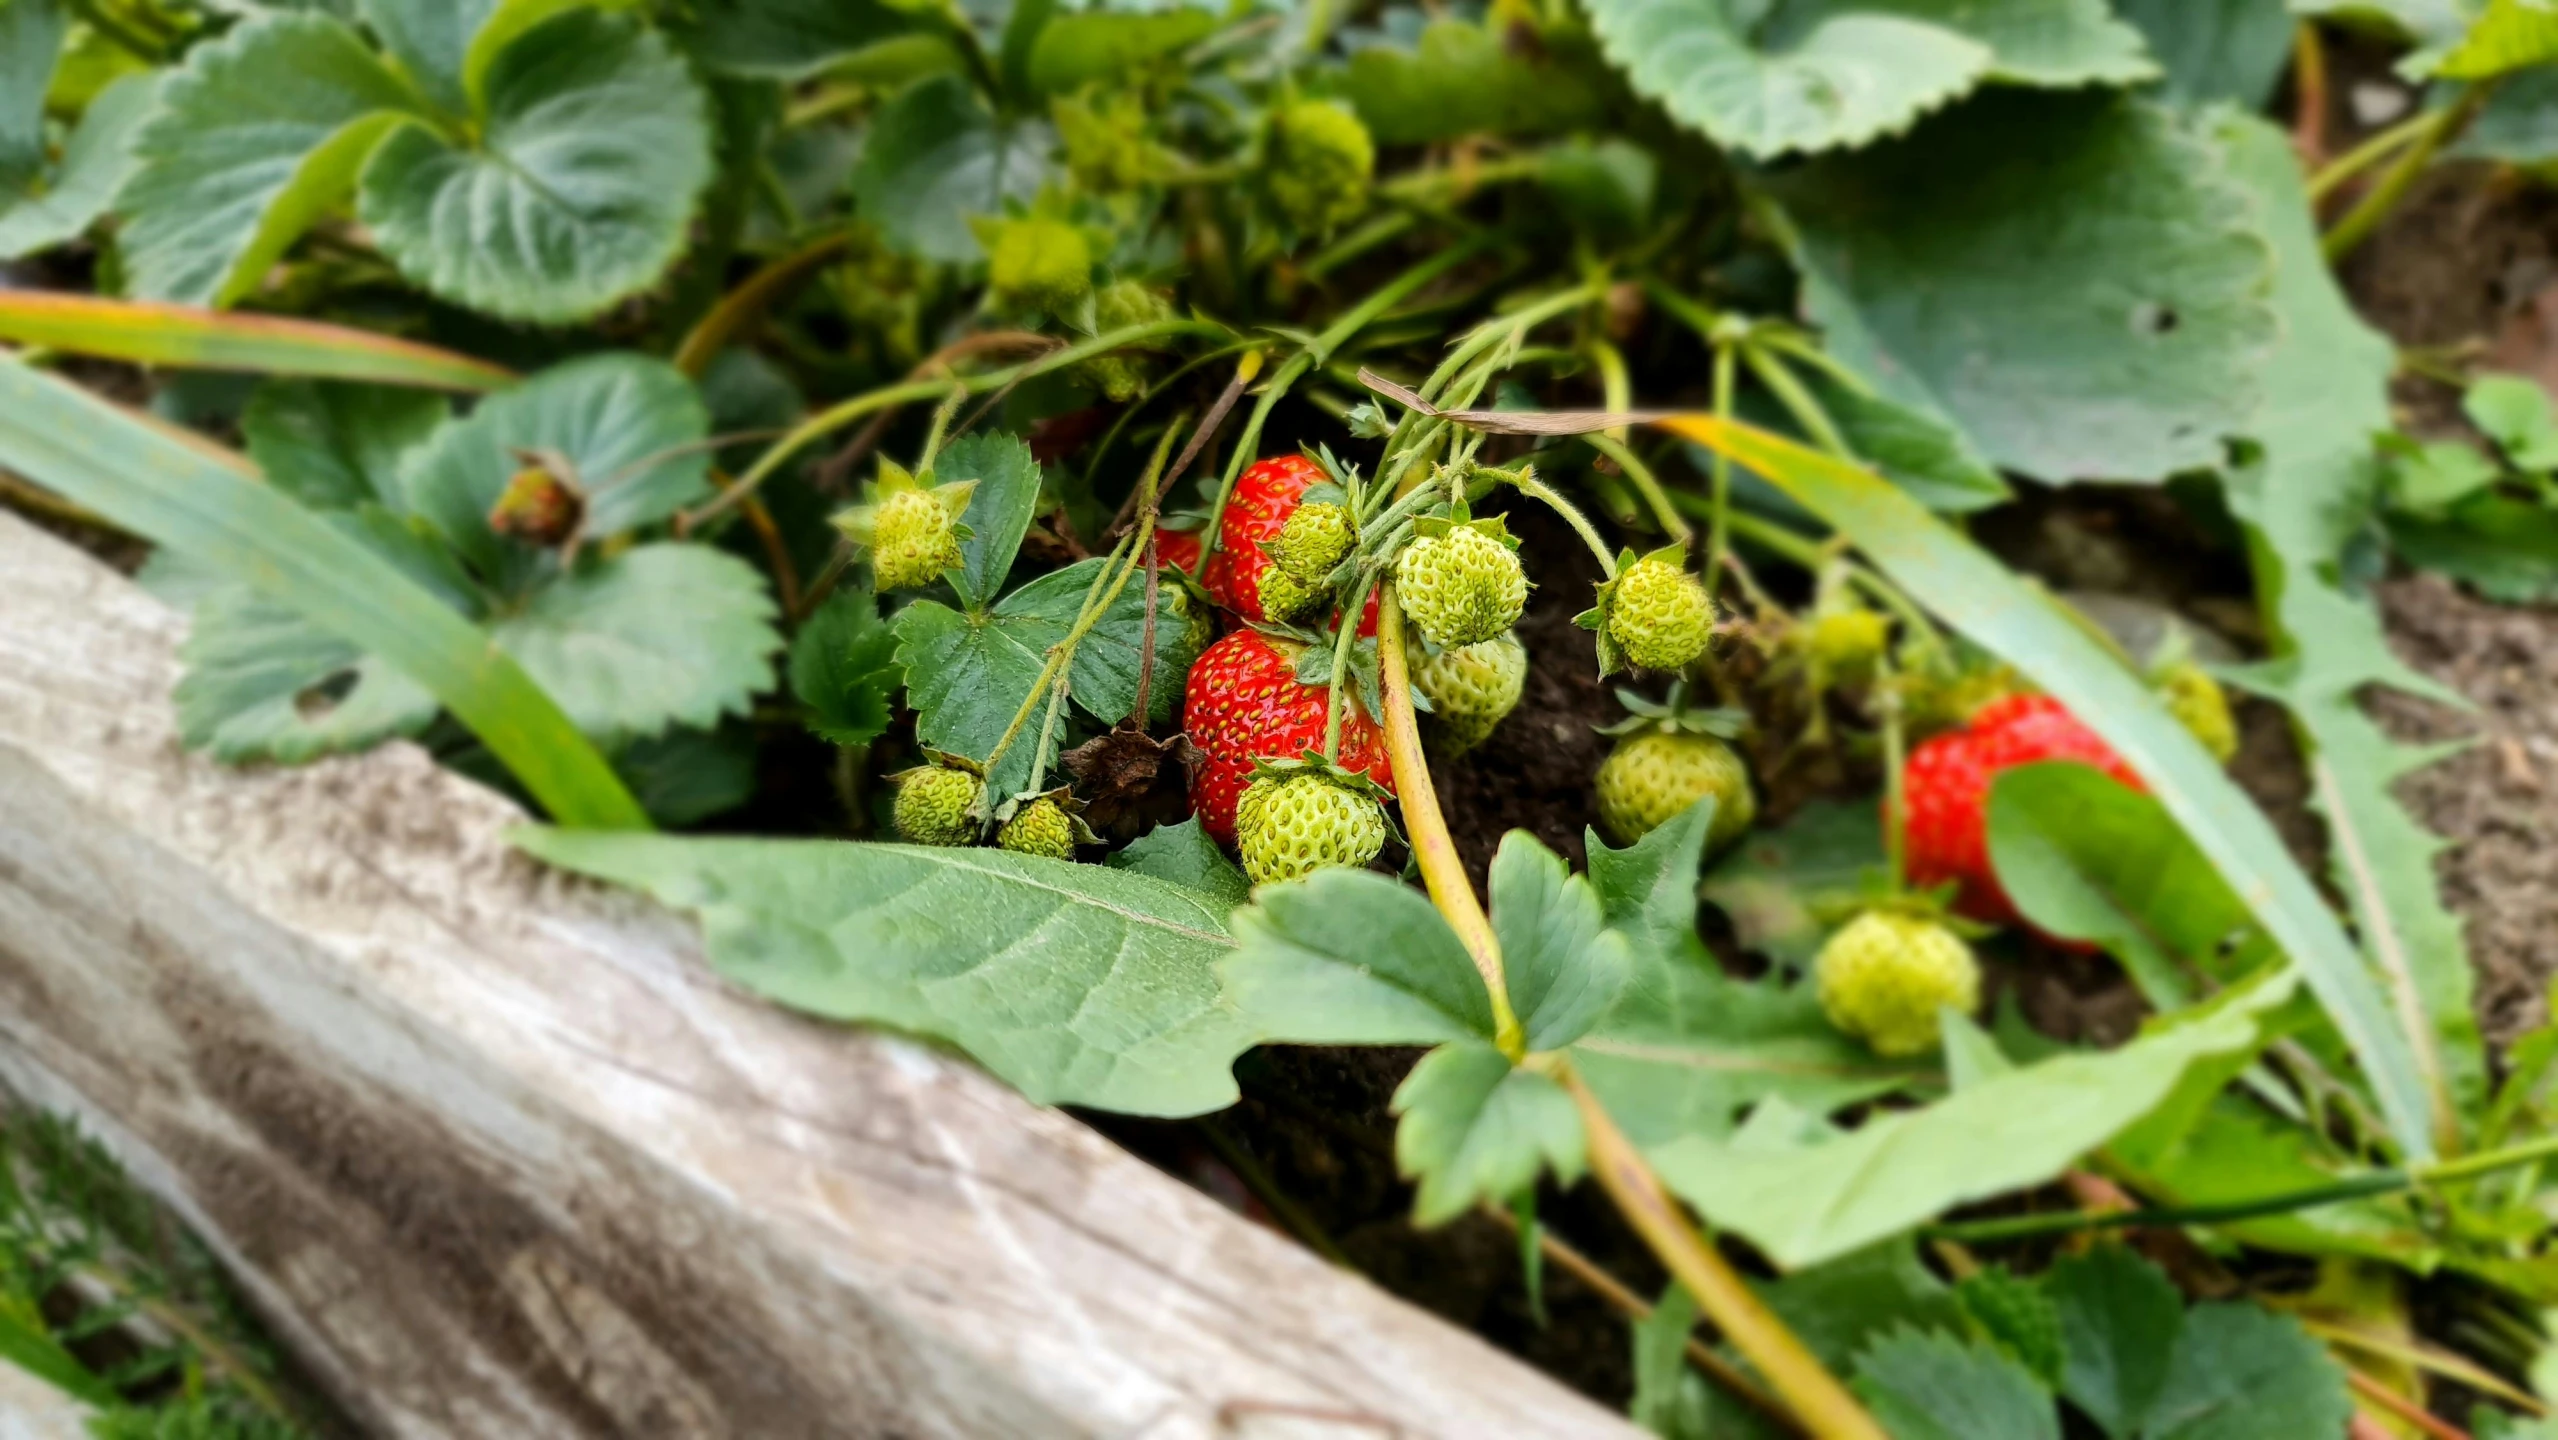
(502, 1158)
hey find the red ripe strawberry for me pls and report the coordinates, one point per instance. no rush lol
(1948, 785)
(1243, 703)
(1177, 549)
(1264, 497)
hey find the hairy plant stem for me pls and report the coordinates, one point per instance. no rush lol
(1063, 652)
(1433, 848)
(1529, 485)
(1820, 1403)
(1345, 633)
(1646, 484)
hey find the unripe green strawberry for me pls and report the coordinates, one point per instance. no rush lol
(1882, 977)
(1121, 376)
(1303, 823)
(1284, 599)
(913, 540)
(2018, 1316)
(2198, 704)
(1844, 644)
(1104, 137)
(1661, 617)
(1033, 263)
(933, 804)
(1460, 587)
(1654, 775)
(1318, 163)
(1041, 827)
(1313, 540)
(1470, 690)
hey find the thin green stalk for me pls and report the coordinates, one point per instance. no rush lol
(943, 414)
(1529, 485)
(2393, 185)
(1798, 401)
(2369, 153)
(1059, 654)
(1718, 544)
(1646, 484)
(1345, 639)
(1896, 794)
(1809, 554)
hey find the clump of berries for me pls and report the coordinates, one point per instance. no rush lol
(1241, 576)
(1667, 758)
(1317, 163)
(912, 531)
(1460, 581)
(1292, 823)
(1886, 975)
(937, 805)
(1244, 704)
(1658, 614)
(1471, 689)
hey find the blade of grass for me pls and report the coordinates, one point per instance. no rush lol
(157, 486)
(2021, 625)
(192, 338)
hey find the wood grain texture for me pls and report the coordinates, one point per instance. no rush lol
(501, 1158)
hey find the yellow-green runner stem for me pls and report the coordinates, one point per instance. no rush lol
(1821, 1404)
(1434, 850)
(1718, 544)
(1529, 485)
(2371, 152)
(2392, 187)
(1646, 484)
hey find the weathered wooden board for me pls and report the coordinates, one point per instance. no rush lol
(501, 1158)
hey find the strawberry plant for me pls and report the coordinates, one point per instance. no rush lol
(1779, 601)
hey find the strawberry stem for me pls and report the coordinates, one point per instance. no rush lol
(1646, 484)
(1820, 1402)
(1896, 799)
(1529, 485)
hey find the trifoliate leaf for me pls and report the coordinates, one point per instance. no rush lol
(333, 445)
(1474, 1127)
(935, 156)
(41, 209)
(1805, 1201)
(1462, 78)
(789, 39)
(575, 187)
(967, 675)
(657, 634)
(1687, 1048)
(1931, 1386)
(1184, 855)
(1347, 957)
(843, 667)
(1078, 984)
(2071, 279)
(628, 425)
(2326, 394)
(998, 512)
(258, 135)
(1562, 967)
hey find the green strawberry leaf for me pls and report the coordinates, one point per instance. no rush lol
(655, 635)
(31, 34)
(1562, 968)
(843, 667)
(2232, 1152)
(263, 683)
(2145, 1368)
(687, 776)
(1779, 886)
(428, 39)
(576, 188)
(39, 209)
(1473, 1127)
(1463, 78)
(1076, 984)
(935, 156)
(1809, 1197)
(1922, 454)
(967, 675)
(258, 135)
(1840, 1306)
(1079, 49)
(629, 426)
(2215, 50)
(1931, 1386)
(2519, 123)
(1827, 74)
(2085, 857)
(2327, 393)
(1348, 957)
(334, 445)
(1184, 855)
(999, 509)
(1687, 1048)
(2508, 35)
(2514, 412)
(791, 39)
(1671, 1399)
(2505, 549)
(2126, 351)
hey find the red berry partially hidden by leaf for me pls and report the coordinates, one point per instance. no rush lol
(1263, 499)
(1244, 702)
(1177, 550)
(1948, 783)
